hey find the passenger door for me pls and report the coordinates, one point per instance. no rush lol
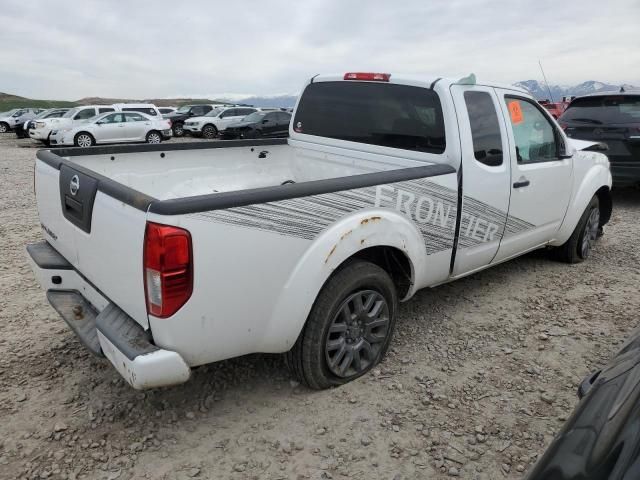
(269, 124)
(485, 176)
(226, 118)
(110, 129)
(541, 176)
(136, 127)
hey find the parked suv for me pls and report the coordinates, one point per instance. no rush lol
(259, 124)
(23, 131)
(185, 112)
(216, 121)
(614, 119)
(16, 117)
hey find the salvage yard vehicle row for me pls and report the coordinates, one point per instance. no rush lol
(163, 258)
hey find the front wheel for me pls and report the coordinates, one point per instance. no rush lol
(4, 127)
(579, 245)
(349, 328)
(154, 137)
(210, 132)
(84, 140)
(178, 130)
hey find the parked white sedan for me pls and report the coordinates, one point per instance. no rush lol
(118, 127)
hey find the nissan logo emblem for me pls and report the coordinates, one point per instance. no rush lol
(74, 185)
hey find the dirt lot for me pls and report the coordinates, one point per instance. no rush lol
(481, 375)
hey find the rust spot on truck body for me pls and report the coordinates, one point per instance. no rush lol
(376, 218)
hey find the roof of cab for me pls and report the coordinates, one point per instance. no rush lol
(425, 81)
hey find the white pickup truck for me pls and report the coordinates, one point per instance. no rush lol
(166, 257)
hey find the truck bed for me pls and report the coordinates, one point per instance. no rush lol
(194, 169)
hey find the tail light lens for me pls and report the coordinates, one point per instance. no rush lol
(168, 269)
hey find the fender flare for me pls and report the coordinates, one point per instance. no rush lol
(597, 177)
(356, 232)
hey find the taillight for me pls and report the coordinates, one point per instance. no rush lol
(372, 77)
(168, 269)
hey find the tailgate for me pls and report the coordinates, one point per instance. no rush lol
(102, 237)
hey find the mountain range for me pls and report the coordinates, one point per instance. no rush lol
(538, 89)
(541, 92)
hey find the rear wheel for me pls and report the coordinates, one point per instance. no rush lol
(349, 328)
(178, 129)
(154, 137)
(210, 132)
(579, 245)
(84, 139)
(4, 127)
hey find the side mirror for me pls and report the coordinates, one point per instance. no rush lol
(265, 121)
(191, 114)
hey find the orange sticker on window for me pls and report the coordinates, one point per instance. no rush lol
(515, 111)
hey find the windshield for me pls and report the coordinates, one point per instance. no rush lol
(184, 109)
(254, 117)
(10, 112)
(71, 113)
(214, 113)
(384, 114)
(604, 110)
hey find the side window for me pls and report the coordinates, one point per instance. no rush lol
(533, 133)
(114, 118)
(134, 117)
(229, 113)
(84, 114)
(246, 111)
(148, 111)
(105, 110)
(485, 129)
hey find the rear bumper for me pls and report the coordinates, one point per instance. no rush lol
(102, 327)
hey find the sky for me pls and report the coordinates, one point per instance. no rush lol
(67, 49)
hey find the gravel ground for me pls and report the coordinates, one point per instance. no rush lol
(481, 374)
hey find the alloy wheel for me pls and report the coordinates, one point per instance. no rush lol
(590, 232)
(84, 140)
(153, 138)
(357, 333)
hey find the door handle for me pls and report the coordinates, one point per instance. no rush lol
(523, 182)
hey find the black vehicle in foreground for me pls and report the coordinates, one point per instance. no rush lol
(23, 130)
(259, 124)
(601, 439)
(183, 113)
(613, 119)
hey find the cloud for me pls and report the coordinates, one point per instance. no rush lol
(72, 49)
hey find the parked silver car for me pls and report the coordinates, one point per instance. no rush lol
(114, 127)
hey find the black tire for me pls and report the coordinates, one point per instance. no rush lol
(4, 127)
(209, 131)
(178, 129)
(154, 137)
(84, 139)
(578, 247)
(332, 326)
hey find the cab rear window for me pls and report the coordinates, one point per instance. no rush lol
(384, 114)
(604, 110)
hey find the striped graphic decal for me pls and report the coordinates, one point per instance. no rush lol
(432, 207)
